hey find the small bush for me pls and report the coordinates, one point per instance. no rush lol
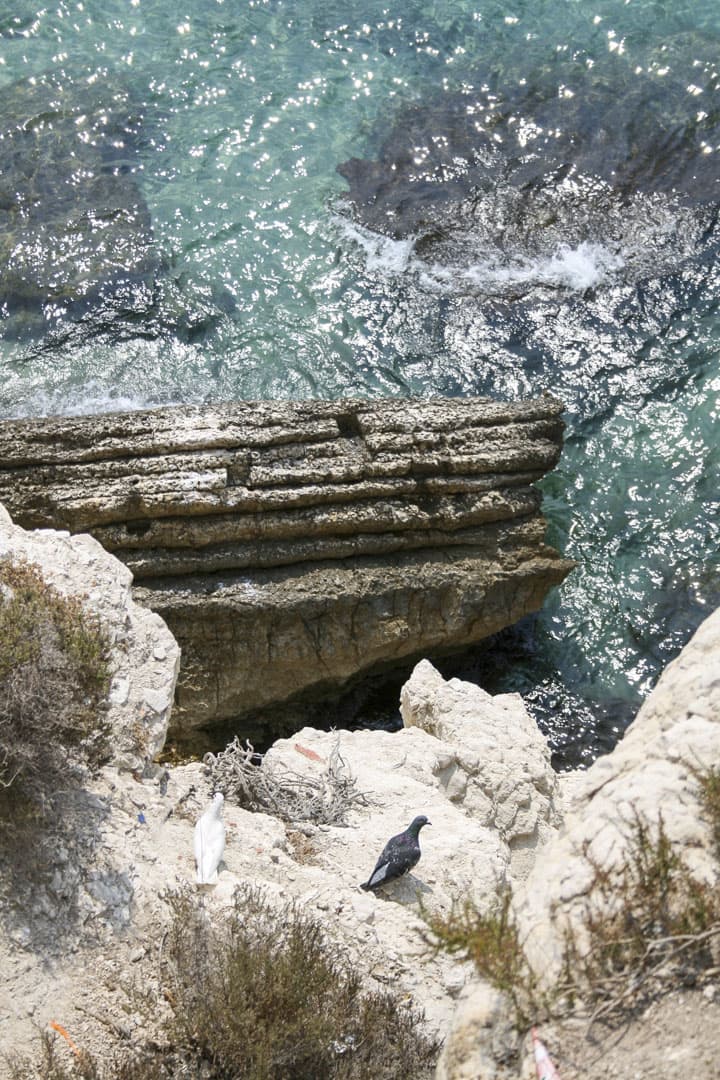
(644, 931)
(262, 996)
(267, 996)
(709, 784)
(54, 677)
(493, 943)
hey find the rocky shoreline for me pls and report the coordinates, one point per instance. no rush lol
(475, 764)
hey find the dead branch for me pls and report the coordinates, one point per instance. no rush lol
(631, 981)
(253, 782)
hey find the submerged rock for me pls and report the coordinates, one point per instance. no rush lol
(634, 132)
(538, 234)
(75, 230)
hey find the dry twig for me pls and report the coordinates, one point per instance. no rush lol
(256, 784)
(631, 981)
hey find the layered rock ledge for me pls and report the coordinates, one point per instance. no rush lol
(292, 546)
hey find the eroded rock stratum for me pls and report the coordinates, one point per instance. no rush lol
(292, 546)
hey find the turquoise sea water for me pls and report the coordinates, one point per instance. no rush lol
(535, 209)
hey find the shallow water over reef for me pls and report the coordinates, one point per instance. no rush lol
(527, 200)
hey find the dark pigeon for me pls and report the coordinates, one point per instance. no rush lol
(399, 855)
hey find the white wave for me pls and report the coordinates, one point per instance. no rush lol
(576, 268)
(382, 253)
(87, 400)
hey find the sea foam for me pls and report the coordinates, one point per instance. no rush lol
(576, 268)
(585, 266)
(382, 253)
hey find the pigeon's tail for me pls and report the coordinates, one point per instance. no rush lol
(366, 886)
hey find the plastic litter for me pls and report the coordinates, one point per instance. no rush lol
(543, 1062)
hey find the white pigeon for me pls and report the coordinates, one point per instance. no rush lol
(210, 842)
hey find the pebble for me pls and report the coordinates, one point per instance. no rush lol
(454, 981)
(119, 690)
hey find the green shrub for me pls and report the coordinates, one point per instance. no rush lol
(54, 677)
(492, 942)
(262, 995)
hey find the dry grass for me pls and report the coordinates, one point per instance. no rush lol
(54, 1065)
(268, 996)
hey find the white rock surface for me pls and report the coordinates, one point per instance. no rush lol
(475, 765)
(399, 772)
(676, 731)
(495, 763)
(481, 1036)
(651, 772)
(143, 685)
(147, 842)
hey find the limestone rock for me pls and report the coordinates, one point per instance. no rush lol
(461, 856)
(495, 764)
(147, 847)
(145, 657)
(676, 731)
(292, 546)
(481, 1040)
